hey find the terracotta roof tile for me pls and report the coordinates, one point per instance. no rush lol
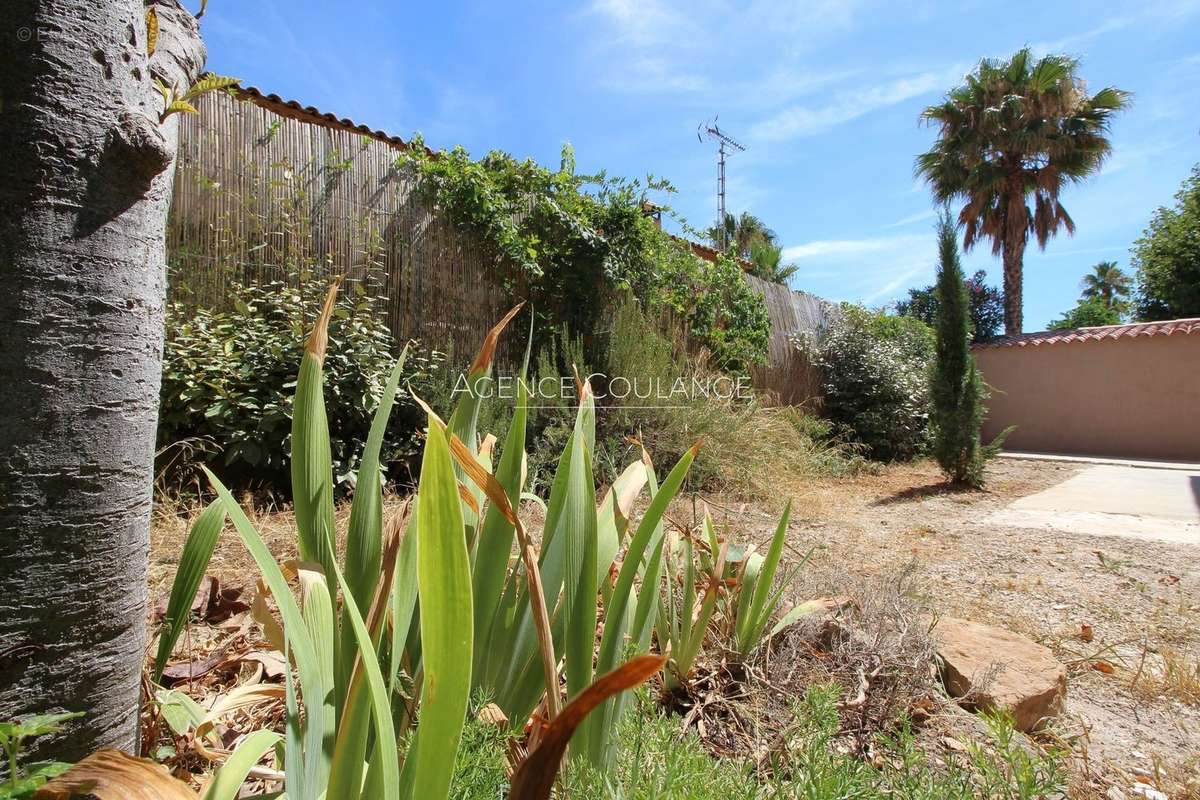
(1165, 328)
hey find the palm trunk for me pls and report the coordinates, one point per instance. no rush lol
(85, 182)
(1014, 256)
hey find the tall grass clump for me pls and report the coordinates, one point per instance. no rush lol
(751, 449)
(957, 391)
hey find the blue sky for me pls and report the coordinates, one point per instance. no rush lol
(824, 94)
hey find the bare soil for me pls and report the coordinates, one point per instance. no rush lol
(1128, 717)
(1140, 599)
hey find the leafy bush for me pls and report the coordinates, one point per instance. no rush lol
(228, 376)
(1167, 257)
(986, 305)
(875, 378)
(576, 242)
(25, 779)
(1088, 312)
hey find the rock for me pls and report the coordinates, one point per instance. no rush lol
(990, 668)
(1114, 793)
(1149, 792)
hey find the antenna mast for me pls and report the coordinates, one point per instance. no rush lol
(726, 145)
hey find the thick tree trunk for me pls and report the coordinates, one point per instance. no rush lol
(1014, 257)
(85, 181)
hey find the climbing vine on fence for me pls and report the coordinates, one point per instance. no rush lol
(573, 243)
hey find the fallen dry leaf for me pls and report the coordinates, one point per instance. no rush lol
(1169, 580)
(1085, 632)
(535, 776)
(109, 774)
(1103, 666)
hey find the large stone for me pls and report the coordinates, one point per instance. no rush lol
(993, 669)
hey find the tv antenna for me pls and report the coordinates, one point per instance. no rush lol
(726, 145)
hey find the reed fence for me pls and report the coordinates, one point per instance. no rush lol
(788, 374)
(265, 191)
(258, 194)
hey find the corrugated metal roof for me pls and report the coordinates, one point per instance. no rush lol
(1170, 327)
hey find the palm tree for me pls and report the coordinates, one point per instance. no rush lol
(1017, 128)
(1108, 283)
(767, 263)
(741, 233)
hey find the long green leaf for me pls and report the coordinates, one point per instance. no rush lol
(312, 680)
(364, 536)
(404, 595)
(494, 544)
(752, 624)
(193, 561)
(580, 586)
(612, 642)
(312, 470)
(381, 713)
(444, 590)
(228, 780)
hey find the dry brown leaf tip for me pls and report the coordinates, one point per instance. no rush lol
(109, 774)
(487, 351)
(318, 341)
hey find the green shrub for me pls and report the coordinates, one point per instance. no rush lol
(956, 386)
(571, 244)
(874, 370)
(228, 376)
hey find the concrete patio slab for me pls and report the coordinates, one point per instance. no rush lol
(1115, 500)
(1126, 462)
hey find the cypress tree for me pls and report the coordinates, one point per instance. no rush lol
(957, 389)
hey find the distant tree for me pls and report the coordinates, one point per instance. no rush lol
(1017, 128)
(751, 240)
(1167, 258)
(956, 388)
(741, 233)
(1087, 313)
(767, 259)
(985, 305)
(1108, 283)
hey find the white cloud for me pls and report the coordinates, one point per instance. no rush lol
(872, 270)
(852, 104)
(854, 247)
(1073, 41)
(909, 220)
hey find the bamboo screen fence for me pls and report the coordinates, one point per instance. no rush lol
(256, 190)
(788, 374)
(261, 185)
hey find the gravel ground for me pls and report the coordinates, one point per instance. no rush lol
(1141, 599)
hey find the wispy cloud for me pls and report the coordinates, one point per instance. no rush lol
(846, 105)
(852, 247)
(870, 270)
(1073, 41)
(910, 219)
